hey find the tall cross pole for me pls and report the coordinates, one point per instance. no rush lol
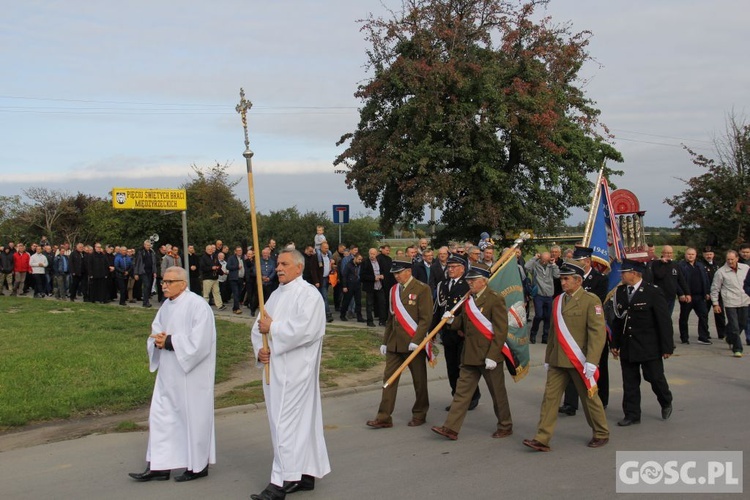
(242, 108)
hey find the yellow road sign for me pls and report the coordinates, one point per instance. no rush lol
(149, 199)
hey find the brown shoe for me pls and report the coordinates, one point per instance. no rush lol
(446, 432)
(597, 442)
(502, 433)
(536, 445)
(415, 422)
(378, 424)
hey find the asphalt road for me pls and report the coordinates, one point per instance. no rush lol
(711, 412)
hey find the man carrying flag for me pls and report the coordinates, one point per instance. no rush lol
(484, 319)
(408, 321)
(574, 348)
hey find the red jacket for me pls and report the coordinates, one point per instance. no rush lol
(21, 262)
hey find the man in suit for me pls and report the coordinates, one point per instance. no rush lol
(596, 283)
(642, 339)
(439, 270)
(698, 290)
(573, 350)
(449, 293)
(409, 319)
(484, 319)
(418, 269)
(372, 277)
(385, 261)
(711, 266)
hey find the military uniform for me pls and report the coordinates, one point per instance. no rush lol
(416, 298)
(584, 316)
(476, 348)
(643, 334)
(448, 295)
(596, 283)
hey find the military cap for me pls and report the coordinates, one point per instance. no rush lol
(478, 270)
(399, 264)
(571, 267)
(632, 265)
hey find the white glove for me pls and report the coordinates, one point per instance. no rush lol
(489, 364)
(589, 369)
(412, 346)
(447, 315)
(546, 367)
(383, 350)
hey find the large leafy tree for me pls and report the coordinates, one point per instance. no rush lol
(476, 108)
(715, 207)
(214, 212)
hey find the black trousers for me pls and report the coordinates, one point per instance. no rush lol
(376, 302)
(653, 373)
(122, 286)
(355, 294)
(453, 346)
(698, 304)
(571, 394)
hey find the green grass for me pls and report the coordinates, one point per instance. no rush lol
(348, 351)
(62, 359)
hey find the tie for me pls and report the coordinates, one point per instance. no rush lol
(450, 284)
(630, 293)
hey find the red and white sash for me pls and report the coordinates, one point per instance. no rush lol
(484, 326)
(571, 349)
(405, 320)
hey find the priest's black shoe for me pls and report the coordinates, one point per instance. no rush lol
(189, 475)
(148, 475)
(272, 492)
(474, 403)
(307, 483)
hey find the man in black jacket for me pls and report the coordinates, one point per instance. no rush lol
(667, 276)
(77, 271)
(210, 270)
(698, 290)
(642, 339)
(144, 270)
(373, 277)
(449, 292)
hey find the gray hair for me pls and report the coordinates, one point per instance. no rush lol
(297, 257)
(179, 271)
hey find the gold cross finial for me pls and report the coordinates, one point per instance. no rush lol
(242, 108)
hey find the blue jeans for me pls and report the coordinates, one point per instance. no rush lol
(542, 312)
(324, 292)
(147, 282)
(236, 286)
(736, 316)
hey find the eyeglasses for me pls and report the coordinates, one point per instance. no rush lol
(169, 282)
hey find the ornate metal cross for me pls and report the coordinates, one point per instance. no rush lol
(242, 108)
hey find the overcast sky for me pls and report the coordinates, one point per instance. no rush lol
(97, 95)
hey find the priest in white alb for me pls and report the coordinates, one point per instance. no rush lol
(294, 321)
(182, 347)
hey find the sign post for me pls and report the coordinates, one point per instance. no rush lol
(340, 217)
(156, 199)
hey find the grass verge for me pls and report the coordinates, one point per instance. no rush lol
(63, 359)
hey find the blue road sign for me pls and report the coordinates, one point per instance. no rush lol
(341, 214)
